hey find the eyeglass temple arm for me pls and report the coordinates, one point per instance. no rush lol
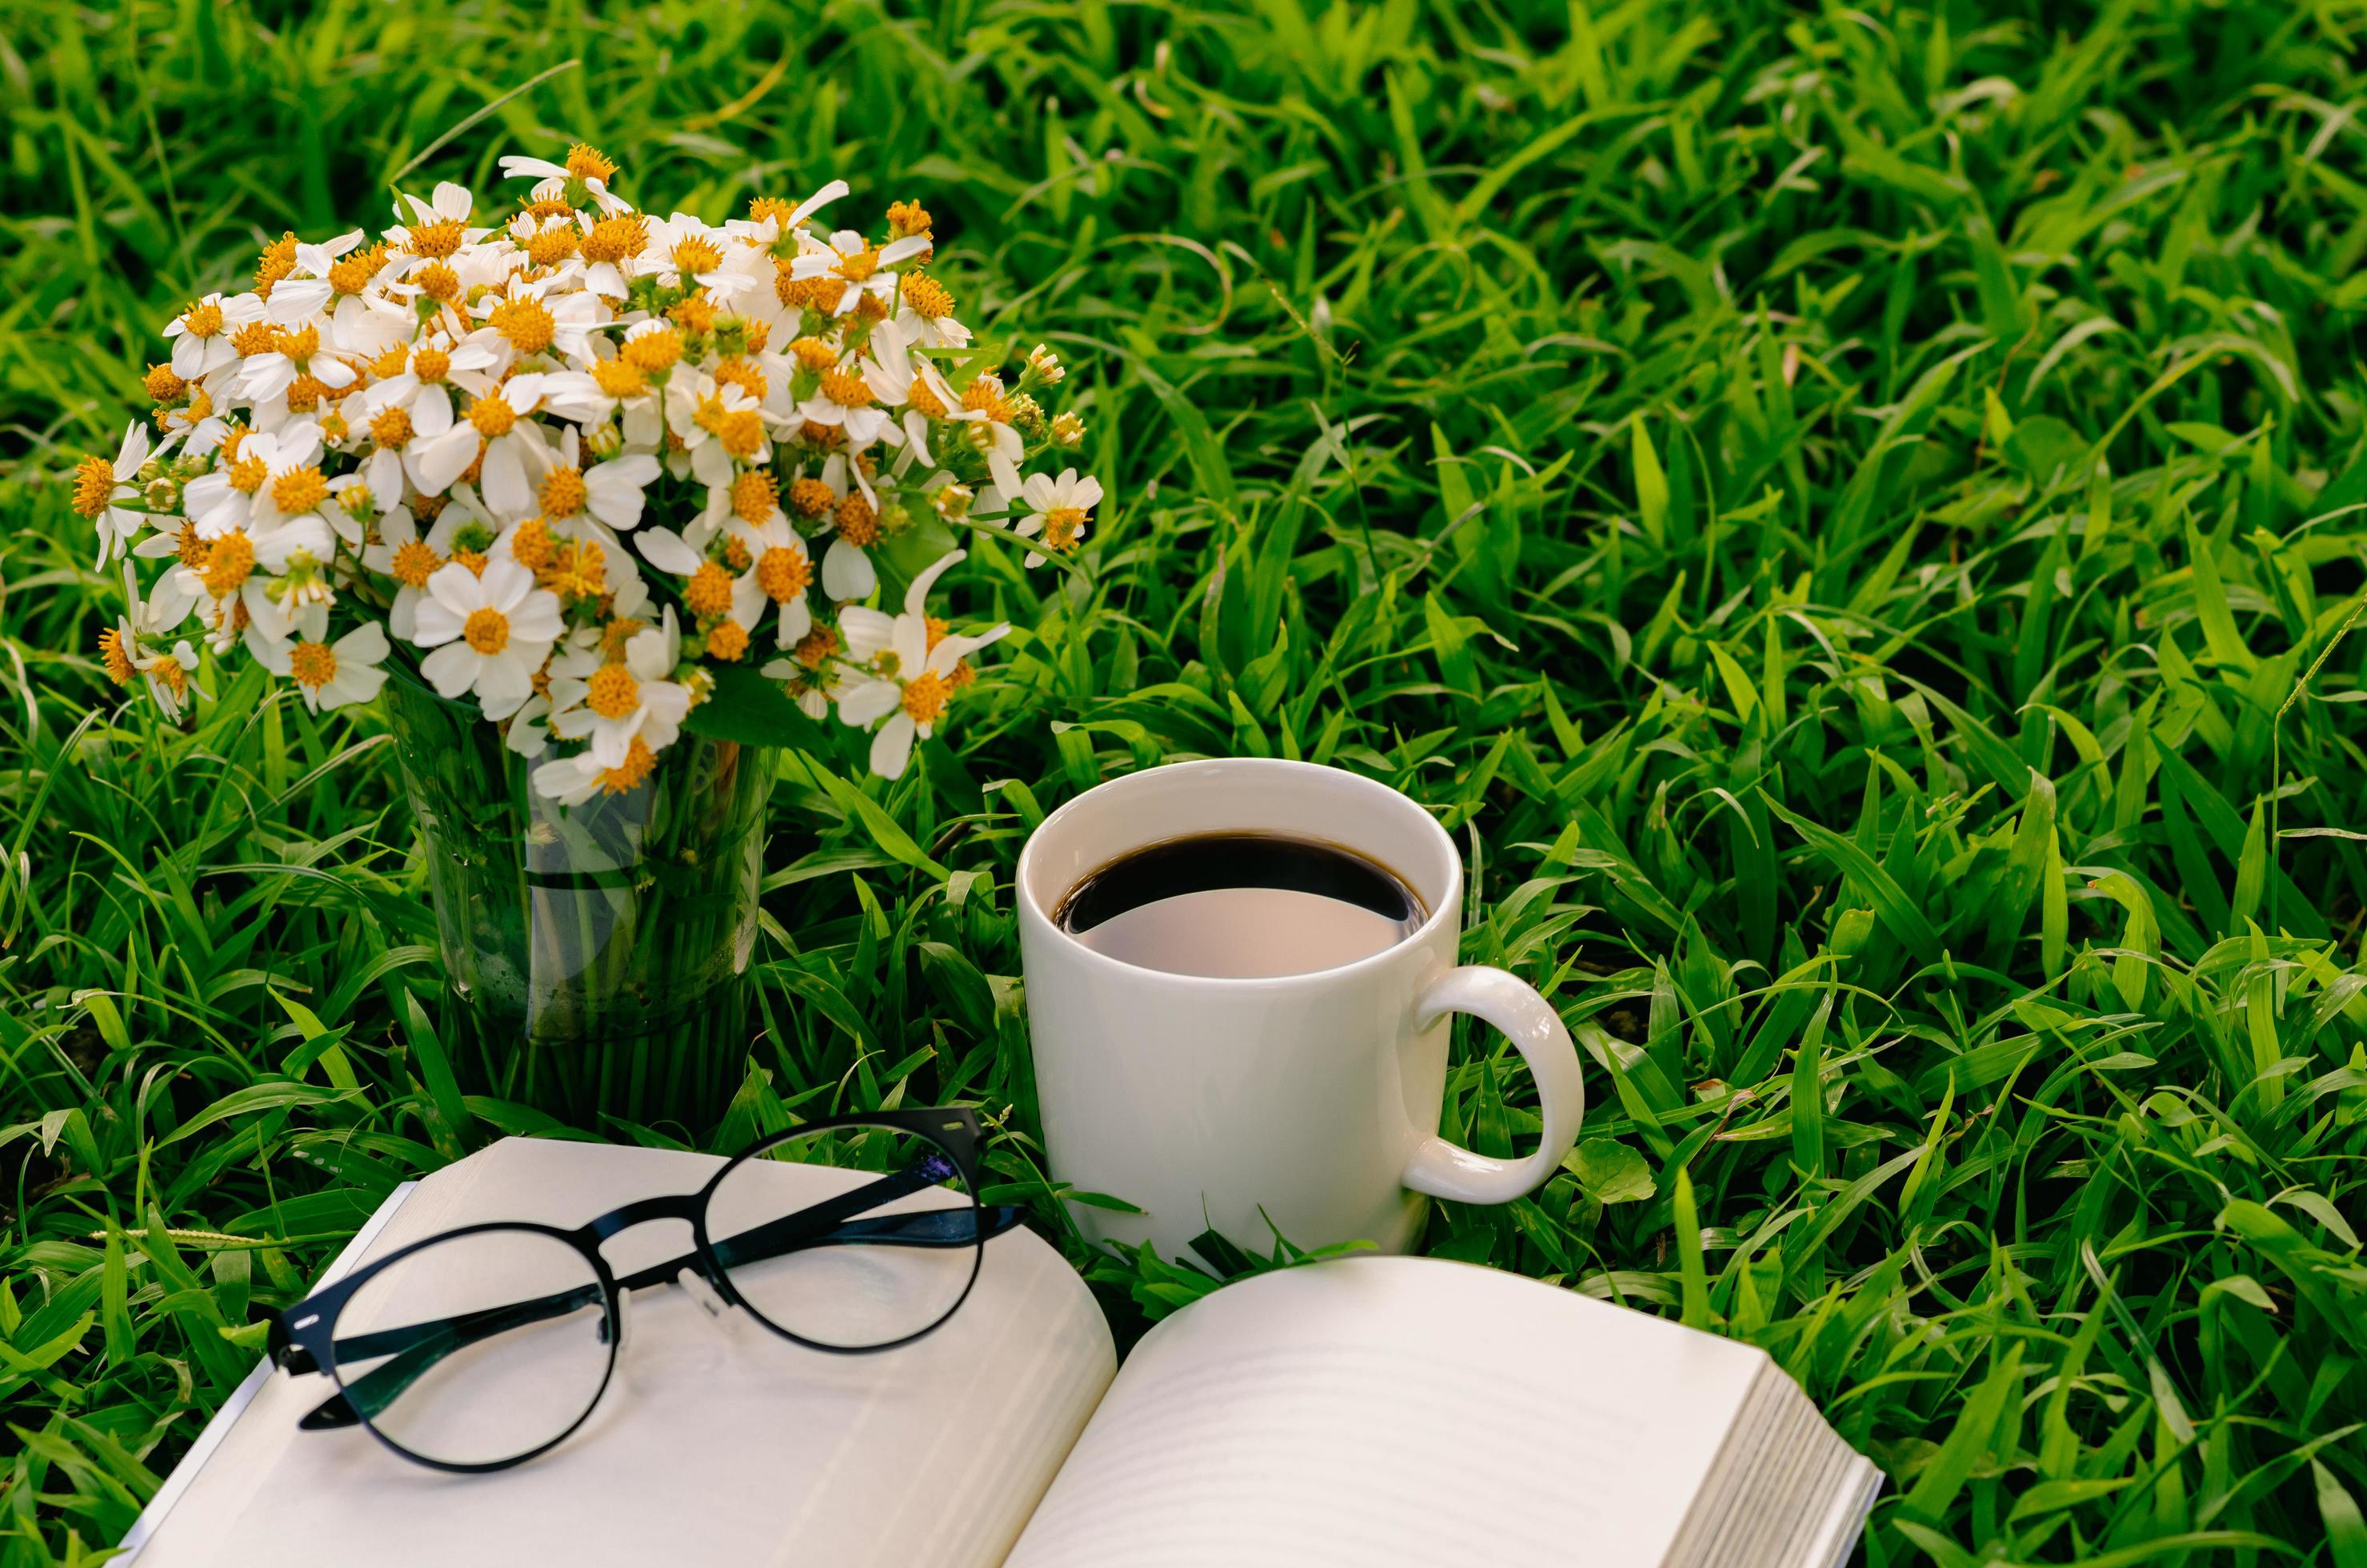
(418, 1347)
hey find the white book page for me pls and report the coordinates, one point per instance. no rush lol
(716, 1442)
(1378, 1411)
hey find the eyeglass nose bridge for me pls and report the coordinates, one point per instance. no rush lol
(683, 1206)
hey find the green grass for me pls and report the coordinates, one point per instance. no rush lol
(1855, 516)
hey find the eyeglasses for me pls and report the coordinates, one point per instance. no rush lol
(486, 1346)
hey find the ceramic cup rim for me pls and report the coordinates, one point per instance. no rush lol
(1285, 774)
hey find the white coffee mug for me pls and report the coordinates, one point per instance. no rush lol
(1311, 1100)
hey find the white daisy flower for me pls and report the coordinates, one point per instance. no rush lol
(780, 572)
(852, 394)
(551, 180)
(523, 319)
(399, 551)
(610, 493)
(1059, 510)
(421, 388)
(303, 348)
(334, 675)
(681, 250)
(165, 675)
(863, 267)
(911, 688)
(498, 427)
(438, 231)
(305, 292)
(612, 703)
(200, 334)
(490, 634)
(716, 424)
(100, 486)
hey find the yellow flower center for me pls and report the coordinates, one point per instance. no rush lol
(170, 672)
(616, 239)
(437, 281)
(189, 550)
(118, 662)
(437, 240)
(612, 692)
(414, 563)
(562, 492)
(985, 395)
(694, 315)
(847, 390)
(926, 296)
(390, 427)
(858, 525)
(653, 352)
(756, 495)
(1062, 525)
(741, 431)
(578, 570)
(431, 365)
(492, 417)
(530, 546)
(93, 486)
(745, 376)
(616, 633)
(618, 379)
(255, 337)
(906, 218)
(162, 385)
(815, 354)
(695, 254)
(202, 320)
(784, 574)
(587, 162)
(728, 641)
(816, 647)
(301, 343)
(229, 564)
(526, 323)
(277, 260)
(708, 592)
(247, 475)
(924, 399)
(353, 274)
(487, 630)
(811, 497)
(926, 696)
(636, 766)
(548, 247)
(299, 490)
(312, 664)
(860, 265)
(305, 392)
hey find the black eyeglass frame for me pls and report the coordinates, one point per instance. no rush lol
(302, 1338)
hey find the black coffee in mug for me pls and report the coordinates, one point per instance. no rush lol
(1240, 906)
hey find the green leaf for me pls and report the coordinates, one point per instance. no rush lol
(748, 708)
(1610, 1172)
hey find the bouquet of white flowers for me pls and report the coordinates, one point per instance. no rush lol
(570, 462)
(596, 488)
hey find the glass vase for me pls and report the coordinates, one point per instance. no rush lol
(595, 956)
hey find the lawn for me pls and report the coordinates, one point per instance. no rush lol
(1854, 516)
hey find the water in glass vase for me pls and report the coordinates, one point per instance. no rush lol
(595, 956)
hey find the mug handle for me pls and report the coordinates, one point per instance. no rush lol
(1448, 1170)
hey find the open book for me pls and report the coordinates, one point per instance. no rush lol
(1369, 1410)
